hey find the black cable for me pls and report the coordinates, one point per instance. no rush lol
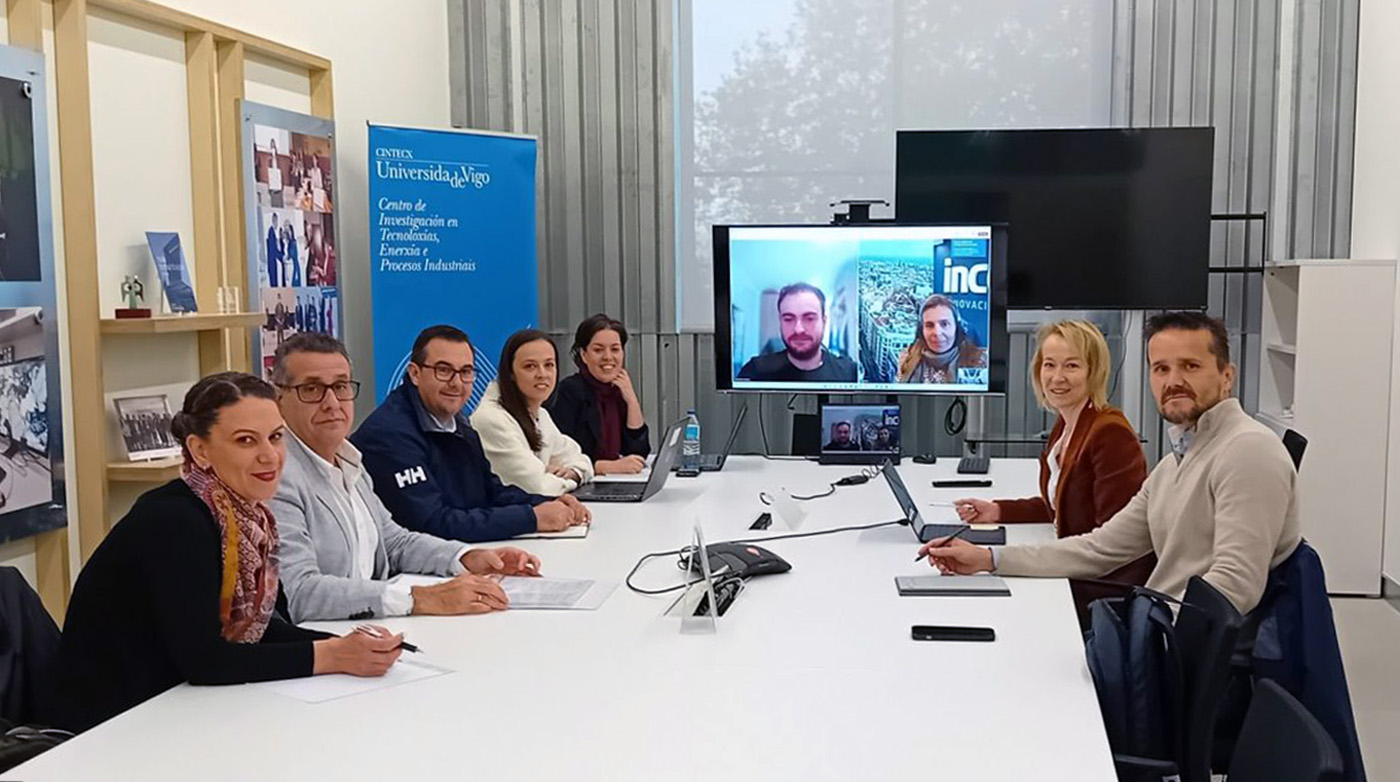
(1122, 354)
(820, 532)
(958, 406)
(763, 430)
(866, 473)
(685, 552)
(638, 566)
(804, 497)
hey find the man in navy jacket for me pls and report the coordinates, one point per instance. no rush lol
(426, 461)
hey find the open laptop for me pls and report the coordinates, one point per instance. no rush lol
(636, 491)
(926, 532)
(714, 462)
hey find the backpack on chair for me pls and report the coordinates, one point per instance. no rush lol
(1135, 660)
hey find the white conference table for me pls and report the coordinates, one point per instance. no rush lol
(811, 674)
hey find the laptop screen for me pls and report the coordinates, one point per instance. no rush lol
(901, 496)
(868, 429)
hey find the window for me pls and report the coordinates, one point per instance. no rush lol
(788, 105)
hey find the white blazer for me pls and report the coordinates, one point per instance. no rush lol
(511, 458)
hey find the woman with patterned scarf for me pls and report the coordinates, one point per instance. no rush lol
(941, 345)
(184, 588)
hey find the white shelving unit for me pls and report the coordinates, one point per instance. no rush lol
(1326, 373)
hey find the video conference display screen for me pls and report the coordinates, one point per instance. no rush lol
(860, 429)
(1104, 218)
(878, 308)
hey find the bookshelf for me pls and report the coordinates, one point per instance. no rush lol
(1326, 372)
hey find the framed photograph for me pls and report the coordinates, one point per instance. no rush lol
(145, 427)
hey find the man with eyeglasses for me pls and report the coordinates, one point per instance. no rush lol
(427, 462)
(338, 542)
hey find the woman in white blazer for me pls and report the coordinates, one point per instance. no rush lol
(526, 449)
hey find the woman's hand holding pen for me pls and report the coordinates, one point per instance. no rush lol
(975, 511)
(357, 653)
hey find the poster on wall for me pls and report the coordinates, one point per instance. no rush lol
(293, 266)
(452, 240)
(32, 488)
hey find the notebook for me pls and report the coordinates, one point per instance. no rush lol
(984, 585)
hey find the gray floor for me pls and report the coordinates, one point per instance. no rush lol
(1369, 631)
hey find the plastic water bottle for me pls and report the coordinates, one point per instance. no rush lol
(690, 446)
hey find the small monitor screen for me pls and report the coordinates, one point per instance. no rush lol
(871, 429)
(860, 308)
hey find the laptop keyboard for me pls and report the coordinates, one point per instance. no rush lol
(617, 489)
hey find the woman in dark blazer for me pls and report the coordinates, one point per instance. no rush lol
(1092, 464)
(597, 406)
(184, 587)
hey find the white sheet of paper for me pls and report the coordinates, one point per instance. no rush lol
(319, 689)
(570, 594)
(641, 477)
(577, 594)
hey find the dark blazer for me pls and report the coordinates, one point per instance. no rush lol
(438, 482)
(144, 617)
(28, 643)
(1101, 468)
(574, 409)
(1297, 647)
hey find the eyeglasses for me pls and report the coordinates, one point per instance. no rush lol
(445, 372)
(313, 393)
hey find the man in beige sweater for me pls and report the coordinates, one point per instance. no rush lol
(1222, 506)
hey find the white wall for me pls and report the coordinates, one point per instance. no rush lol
(1375, 225)
(390, 64)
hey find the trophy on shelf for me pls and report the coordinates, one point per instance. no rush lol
(133, 291)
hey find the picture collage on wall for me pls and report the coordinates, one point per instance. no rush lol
(26, 472)
(31, 428)
(298, 267)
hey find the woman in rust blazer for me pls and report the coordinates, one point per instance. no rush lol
(1092, 463)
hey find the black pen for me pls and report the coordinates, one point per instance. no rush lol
(945, 542)
(372, 633)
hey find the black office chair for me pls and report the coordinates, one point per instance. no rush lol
(1282, 742)
(1206, 630)
(1296, 445)
(1207, 637)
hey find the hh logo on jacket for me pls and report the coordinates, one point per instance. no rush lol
(410, 476)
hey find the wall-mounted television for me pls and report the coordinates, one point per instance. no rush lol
(847, 309)
(1103, 218)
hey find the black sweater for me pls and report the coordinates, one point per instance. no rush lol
(574, 409)
(144, 617)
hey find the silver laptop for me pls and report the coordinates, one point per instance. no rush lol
(634, 491)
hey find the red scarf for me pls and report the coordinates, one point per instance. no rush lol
(612, 413)
(248, 588)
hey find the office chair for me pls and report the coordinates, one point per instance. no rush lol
(1207, 637)
(1206, 629)
(1282, 742)
(1296, 444)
